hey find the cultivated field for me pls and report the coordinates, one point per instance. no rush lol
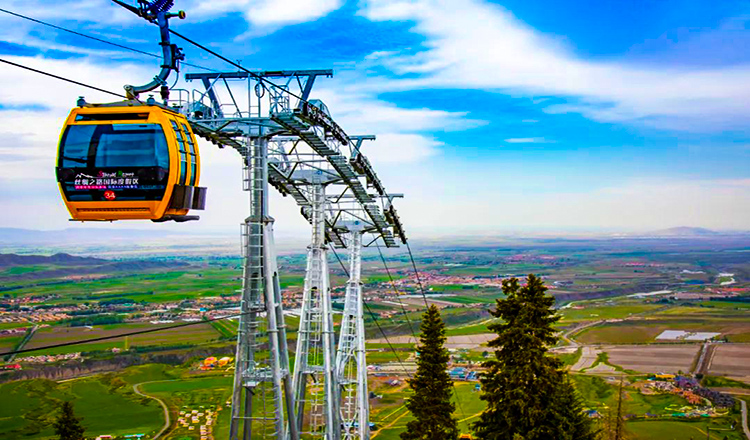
(731, 360)
(8, 343)
(195, 334)
(464, 341)
(654, 358)
(640, 331)
(668, 430)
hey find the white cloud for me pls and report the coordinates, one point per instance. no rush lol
(267, 12)
(473, 44)
(101, 13)
(400, 131)
(361, 113)
(95, 11)
(390, 148)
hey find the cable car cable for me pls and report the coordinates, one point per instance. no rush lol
(396, 324)
(372, 315)
(96, 38)
(61, 78)
(398, 296)
(105, 338)
(416, 273)
(421, 288)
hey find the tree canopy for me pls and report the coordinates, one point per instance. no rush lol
(527, 392)
(68, 426)
(431, 402)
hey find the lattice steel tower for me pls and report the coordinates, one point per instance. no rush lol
(263, 399)
(314, 381)
(351, 364)
(260, 374)
(298, 149)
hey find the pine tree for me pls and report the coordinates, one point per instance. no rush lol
(527, 392)
(67, 425)
(431, 403)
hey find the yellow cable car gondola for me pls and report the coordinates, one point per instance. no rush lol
(129, 160)
(132, 160)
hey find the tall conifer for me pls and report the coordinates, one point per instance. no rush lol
(68, 426)
(431, 403)
(527, 392)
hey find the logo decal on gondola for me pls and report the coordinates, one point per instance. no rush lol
(109, 195)
(102, 180)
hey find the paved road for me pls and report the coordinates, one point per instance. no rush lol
(161, 402)
(587, 359)
(744, 419)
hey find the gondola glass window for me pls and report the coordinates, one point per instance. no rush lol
(183, 152)
(193, 155)
(114, 145)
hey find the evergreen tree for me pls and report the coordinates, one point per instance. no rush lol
(431, 402)
(527, 392)
(67, 425)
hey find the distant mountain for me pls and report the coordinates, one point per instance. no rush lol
(64, 265)
(76, 235)
(684, 231)
(61, 259)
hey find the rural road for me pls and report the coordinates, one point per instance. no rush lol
(572, 342)
(161, 402)
(587, 359)
(23, 343)
(744, 419)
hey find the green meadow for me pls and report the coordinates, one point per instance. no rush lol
(106, 403)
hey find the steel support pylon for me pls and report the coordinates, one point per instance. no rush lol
(313, 380)
(351, 364)
(261, 382)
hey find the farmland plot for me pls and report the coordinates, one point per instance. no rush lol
(196, 334)
(731, 360)
(654, 358)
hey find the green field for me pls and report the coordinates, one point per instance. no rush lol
(389, 414)
(470, 329)
(106, 403)
(8, 343)
(20, 270)
(669, 430)
(596, 312)
(126, 413)
(569, 359)
(462, 299)
(196, 334)
(159, 287)
(227, 328)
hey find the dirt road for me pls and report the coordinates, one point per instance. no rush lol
(167, 420)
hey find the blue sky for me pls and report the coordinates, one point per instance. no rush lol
(491, 116)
